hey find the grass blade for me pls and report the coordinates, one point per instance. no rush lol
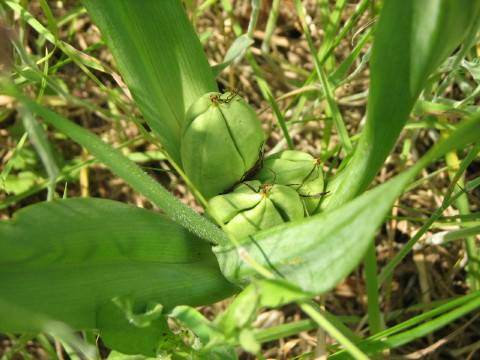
(64, 259)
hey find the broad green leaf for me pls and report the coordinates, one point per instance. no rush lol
(412, 39)
(318, 252)
(67, 258)
(159, 56)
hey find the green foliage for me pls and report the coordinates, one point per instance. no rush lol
(65, 259)
(99, 264)
(160, 58)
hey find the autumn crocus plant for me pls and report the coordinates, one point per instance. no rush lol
(276, 228)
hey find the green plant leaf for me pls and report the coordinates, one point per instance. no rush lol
(234, 53)
(67, 258)
(115, 355)
(18, 316)
(318, 252)
(160, 57)
(122, 335)
(412, 39)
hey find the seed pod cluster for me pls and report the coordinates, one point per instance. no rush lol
(298, 170)
(253, 206)
(221, 141)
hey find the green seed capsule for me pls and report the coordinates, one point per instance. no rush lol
(298, 170)
(252, 207)
(221, 142)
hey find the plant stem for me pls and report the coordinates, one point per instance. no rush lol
(333, 331)
(463, 207)
(374, 313)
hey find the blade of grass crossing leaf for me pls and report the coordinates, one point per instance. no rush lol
(52, 24)
(253, 17)
(131, 173)
(34, 23)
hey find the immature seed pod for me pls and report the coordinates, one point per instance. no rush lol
(298, 170)
(254, 206)
(221, 142)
